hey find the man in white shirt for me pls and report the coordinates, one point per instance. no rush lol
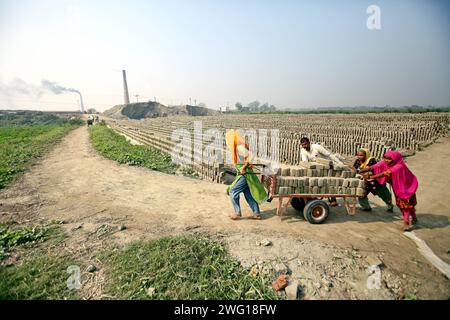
(310, 152)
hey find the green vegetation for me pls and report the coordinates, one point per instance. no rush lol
(26, 118)
(42, 277)
(19, 146)
(12, 235)
(115, 147)
(24, 136)
(410, 296)
(180, 267)
(189, 172)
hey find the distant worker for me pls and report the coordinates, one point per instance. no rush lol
(403, 181)
(375, 186)
(90, 120)
(310, 153)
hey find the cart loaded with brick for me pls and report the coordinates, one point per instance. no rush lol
(308, 185)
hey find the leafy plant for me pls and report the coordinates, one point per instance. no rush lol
(11, 236)
(189, 172)
(410, 296)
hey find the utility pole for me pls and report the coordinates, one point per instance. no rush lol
(195, 102)
(154, 98)
(137, 97)
(190, 101)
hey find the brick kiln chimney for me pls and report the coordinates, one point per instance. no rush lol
(126, 97)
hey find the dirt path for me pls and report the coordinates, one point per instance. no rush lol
(73, 183)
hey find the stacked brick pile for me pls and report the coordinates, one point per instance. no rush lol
(318, 178)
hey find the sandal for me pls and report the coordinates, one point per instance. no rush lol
(256, 217)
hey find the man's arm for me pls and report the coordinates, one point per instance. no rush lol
(304, 156)
(328, 154)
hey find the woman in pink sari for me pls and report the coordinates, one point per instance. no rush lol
(403, 181)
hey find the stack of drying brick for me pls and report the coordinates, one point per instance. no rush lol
(318, 178)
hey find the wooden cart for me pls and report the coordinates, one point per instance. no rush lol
(314, 209)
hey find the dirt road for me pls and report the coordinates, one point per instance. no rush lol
(75, 184)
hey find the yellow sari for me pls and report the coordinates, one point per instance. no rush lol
(368, 157)
(240, 154)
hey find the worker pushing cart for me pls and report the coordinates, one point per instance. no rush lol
(246, 182)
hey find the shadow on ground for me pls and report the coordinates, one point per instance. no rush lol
(378, 214)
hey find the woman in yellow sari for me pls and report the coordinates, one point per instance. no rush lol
(246, 181)
(376, 186)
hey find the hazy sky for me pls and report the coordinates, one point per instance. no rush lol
(289, 53)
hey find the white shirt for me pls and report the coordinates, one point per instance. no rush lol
(315, 151)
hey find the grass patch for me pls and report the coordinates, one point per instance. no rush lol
(19, 146)
(12, 236)
(189, 172)
(180, 267)
(410, 296)
(115, 147)
(41, 277)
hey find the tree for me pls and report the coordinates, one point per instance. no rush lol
(91, 111)
(264, 107)
(253, 106)
(238, 106)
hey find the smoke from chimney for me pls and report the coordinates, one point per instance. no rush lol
(19, 87)
(57, 89)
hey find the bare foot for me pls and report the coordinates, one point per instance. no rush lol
(333, 204)
(235, 216)
(406, 227)
(256, 217)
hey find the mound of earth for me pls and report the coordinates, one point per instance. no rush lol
(152, 109)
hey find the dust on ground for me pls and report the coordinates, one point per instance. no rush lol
(102, 202)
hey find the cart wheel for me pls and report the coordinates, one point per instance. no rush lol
(316, 211)
(298, 204)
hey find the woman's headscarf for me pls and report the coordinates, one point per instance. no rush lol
(368, 157)
(404, 182)
(239, 149)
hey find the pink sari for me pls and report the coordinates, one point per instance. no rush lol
(404, 182)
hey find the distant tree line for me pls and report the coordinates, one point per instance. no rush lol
(369, 109)
(255, 107)
(26, 118)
